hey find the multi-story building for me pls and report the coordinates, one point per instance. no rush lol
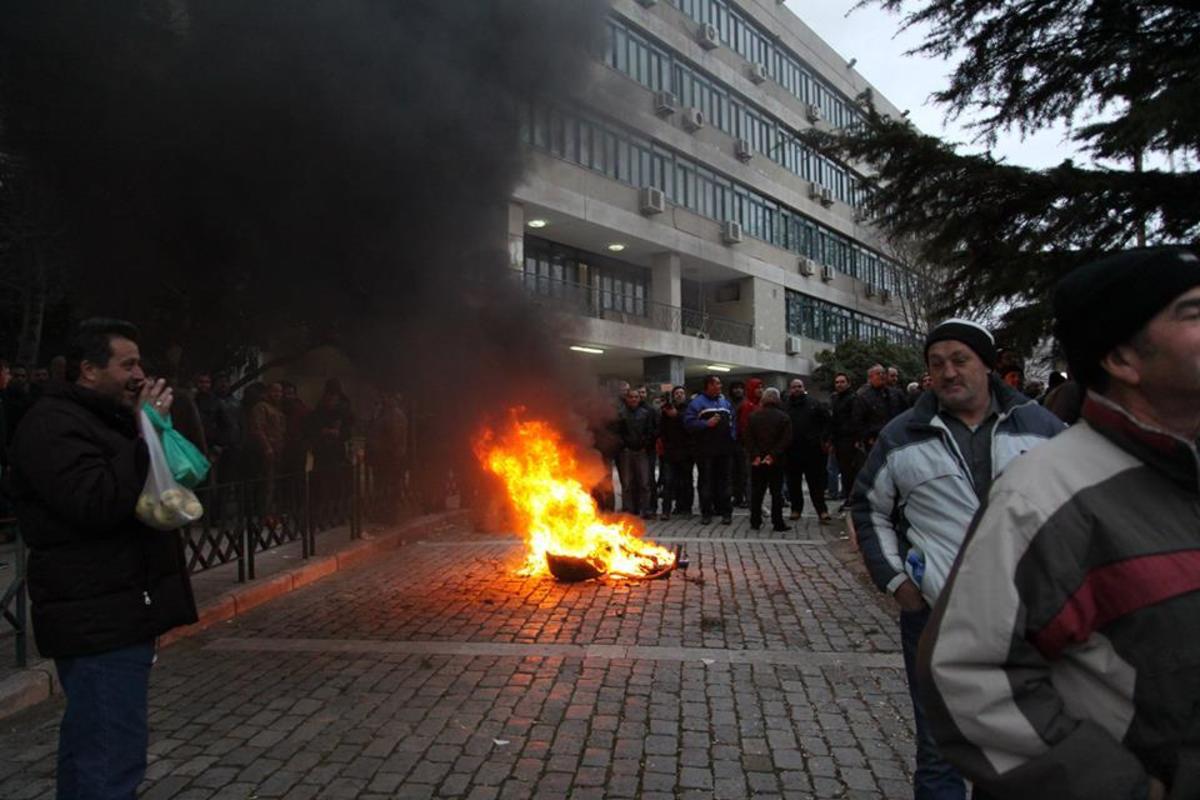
(676, 218)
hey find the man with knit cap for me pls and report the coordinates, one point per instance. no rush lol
(1060, 661)
(924, 480)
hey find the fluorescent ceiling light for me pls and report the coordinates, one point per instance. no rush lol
(578, 348)
(718, 367)
(537, 223)
(616, 247)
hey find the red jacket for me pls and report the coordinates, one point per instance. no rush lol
(749, 405)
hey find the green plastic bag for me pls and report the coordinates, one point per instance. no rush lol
(188, 465)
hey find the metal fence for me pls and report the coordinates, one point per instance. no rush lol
(241, 519)
(592, 301)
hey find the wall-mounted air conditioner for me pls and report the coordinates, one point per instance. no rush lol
(792, 345)
(862, 216)
(827, 273)
(814, 190)
(807, 267)
(812, 112)
(743, 150)
(758, 73)
(885, 295)
(665, 104)
(731, 232)
(708, 36)
(826, 197)
(651, 200)
(693, 119)
(869, 290)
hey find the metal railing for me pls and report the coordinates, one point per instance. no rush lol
(241, 519)
(592, 301)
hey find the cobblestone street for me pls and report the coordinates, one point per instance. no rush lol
(769, 668)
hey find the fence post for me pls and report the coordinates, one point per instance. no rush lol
(308, 531)
(250, 536)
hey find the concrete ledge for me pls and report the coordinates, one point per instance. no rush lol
(39, 681)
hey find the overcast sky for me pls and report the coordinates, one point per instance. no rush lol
(872, 36)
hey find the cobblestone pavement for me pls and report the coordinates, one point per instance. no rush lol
(768, 669)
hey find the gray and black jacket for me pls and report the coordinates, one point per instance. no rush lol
(1063, 658)
(916, 490)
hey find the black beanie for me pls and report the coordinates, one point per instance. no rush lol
(972, 334)
(1105, 303)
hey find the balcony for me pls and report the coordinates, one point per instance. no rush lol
(591, 301)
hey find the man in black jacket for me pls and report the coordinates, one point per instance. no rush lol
(807, 455)
(102, 585)
(637, 430)
(677, 455)
(847, 441)
(768, 437)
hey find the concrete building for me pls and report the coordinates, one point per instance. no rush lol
(675, 219)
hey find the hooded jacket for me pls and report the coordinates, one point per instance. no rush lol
(748, 406)
(99, 579)
(916, 491)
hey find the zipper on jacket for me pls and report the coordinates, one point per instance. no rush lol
(146, 597)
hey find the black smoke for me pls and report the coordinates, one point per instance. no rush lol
(296, 171)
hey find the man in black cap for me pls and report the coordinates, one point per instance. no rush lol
(1060, 659)
(923, 482)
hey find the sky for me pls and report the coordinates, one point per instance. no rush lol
(872, 36)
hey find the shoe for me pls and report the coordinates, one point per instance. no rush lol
(826, 519)
(781, 528)
(842, 508)
(665, 516)
(794, 515)
(705, 519)
(754, 527)
(727, 519)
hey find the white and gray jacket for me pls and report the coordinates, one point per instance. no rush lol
(914, 499)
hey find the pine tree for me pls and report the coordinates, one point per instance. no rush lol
(1123, 75)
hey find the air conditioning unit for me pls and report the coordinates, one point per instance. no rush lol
(743, 150)
(827, 273)
(812, 112)
(862, 216)
(731, 232)
(814, 190)
(792, 345)
(758, 73)
(826, 197)
(807, 267)
(869, 290)
(693, 119)
(665, 104)
(652, 200)
(885, 295)
(708, 36)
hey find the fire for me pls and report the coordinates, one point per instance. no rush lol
(559, 516)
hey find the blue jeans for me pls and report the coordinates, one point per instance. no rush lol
(934, 779)
(103, 737)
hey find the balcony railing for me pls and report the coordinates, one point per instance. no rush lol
(592, 301)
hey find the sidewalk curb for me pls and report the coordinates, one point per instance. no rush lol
(39, 681)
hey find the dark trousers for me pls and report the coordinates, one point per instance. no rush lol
(637, 493)
(104, 732)
(934, 778)
(809, 467)
(850, 460)
(762, 478)
(740, 477)
(677, 486)
(713, 485)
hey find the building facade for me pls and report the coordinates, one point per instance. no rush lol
(675, 219)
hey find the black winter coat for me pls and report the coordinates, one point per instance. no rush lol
(637, 427)
(677, 442)
(844, 424)
(768, 432)
(99, 580)
(810, 424)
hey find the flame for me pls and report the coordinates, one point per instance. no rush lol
(559, 516)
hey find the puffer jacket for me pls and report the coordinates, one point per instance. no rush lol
(1061, 661)
(717, 440)
(99, 579)
(916, 492)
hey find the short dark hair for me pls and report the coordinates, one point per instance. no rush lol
(709, 379)
(837, 375)
(92, 342)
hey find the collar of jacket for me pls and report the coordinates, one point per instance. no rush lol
(1172, 455)
(110, 412)
(1008, 398)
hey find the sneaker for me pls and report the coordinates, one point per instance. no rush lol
(665, 516)
(794, 515)
(727, 519)
(705, 519)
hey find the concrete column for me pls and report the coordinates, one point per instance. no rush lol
(666, 289)
(516, 235)
(770, 315)
(662, 369)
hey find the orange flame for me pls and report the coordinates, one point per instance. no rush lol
(559, 516)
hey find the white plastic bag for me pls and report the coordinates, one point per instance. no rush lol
(164, 505)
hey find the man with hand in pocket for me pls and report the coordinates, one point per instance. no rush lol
(927, 475)
(102, 585)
